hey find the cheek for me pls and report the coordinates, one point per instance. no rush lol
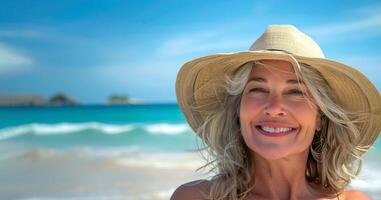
(304, 112)
(250, 105)
(248, 112)
(248, 109)
(307, 117)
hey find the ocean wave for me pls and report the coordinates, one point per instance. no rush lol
(170, 129)
(72, 128)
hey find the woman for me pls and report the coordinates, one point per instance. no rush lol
(280, 121)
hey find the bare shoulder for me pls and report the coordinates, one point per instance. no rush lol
(355, 195)
(194, 190)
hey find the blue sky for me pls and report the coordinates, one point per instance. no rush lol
(92, 49)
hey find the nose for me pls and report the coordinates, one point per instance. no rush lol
(274, 106)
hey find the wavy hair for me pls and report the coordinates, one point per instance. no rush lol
(334, 157)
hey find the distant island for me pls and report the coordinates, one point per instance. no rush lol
(62, 99)
(123, 100)
(22, 100)
(118, 99)
(58, 99)
(36, 100)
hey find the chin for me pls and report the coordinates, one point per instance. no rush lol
(271, 152)
(276, 152)
(272, 155)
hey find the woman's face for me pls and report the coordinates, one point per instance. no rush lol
(277, 115)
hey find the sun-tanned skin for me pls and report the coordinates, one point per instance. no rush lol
(194, 191)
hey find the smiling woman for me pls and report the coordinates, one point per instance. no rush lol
(277, 118)
(280, 121)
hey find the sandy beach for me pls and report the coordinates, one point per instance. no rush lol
(73, 174)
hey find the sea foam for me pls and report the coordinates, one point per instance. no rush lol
(110, 129)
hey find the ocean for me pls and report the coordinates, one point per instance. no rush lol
(110, 152)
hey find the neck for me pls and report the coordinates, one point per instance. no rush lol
(283, 178)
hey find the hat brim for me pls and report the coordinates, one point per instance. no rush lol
(198, 84)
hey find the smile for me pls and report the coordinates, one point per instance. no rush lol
(275, 132)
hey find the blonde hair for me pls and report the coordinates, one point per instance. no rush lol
(334, 151)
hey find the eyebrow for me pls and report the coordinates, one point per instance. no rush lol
(262, 80)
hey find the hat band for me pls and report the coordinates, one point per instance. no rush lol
(279, 50)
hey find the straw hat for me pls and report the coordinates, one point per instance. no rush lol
(198, 81)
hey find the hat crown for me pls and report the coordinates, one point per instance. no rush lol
(287, 38)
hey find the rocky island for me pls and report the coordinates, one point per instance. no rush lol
(58, 99)
(123, 100)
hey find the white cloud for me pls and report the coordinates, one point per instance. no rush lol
(366, 24)
(12, 61)
(188, 45)
(185, 44)
(219, 40)
(151, 80)
(373, 9)
(369, 22)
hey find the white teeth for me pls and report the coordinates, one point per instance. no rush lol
(275, 130)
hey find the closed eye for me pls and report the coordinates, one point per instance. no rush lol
(260, 90)
(295, 92)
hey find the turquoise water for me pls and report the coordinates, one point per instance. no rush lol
(152, 127)
(168, 113)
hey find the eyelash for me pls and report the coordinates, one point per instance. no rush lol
(297, 92)
(258, 90)
(292, 92)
